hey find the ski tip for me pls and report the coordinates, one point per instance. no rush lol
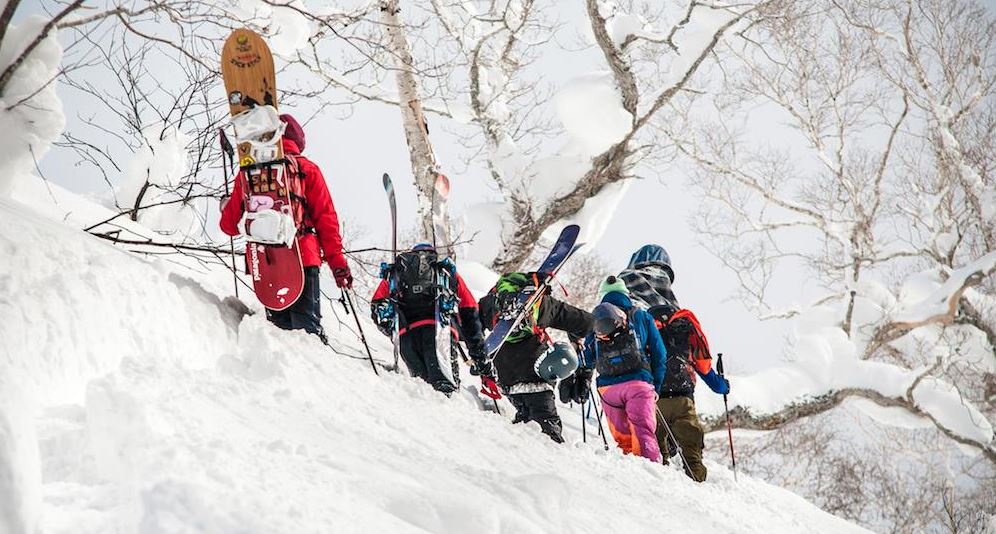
(569, 232)
(442, 184)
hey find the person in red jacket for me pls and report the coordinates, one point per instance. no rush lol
(413, 306)
(318, 239)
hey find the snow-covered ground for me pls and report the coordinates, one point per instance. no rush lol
(138, 396)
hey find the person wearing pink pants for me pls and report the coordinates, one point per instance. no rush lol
(627, 352)
(629, 407)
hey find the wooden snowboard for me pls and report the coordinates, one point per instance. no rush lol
(276, 270)
(247, 68)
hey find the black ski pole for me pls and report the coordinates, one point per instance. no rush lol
(346, 299)
(584, 426)
(677, 446)
(729, 424)
(598, 414)
(497, 409)
(588, 414)
(226, 148)
(580, 354)
(466, 360)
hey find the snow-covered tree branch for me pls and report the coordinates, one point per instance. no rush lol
(635, 79)
(880, 192)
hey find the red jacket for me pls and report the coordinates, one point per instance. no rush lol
(319, 214)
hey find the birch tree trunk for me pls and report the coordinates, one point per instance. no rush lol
(416, 130)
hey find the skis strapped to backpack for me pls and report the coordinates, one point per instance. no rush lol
(422, 281)
(510, 319)
(445, 302)
(388, 274)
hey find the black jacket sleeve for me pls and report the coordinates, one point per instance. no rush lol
(470, 329)
(486, 308)
(562, 316)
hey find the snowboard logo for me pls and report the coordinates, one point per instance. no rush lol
(260, 202)
(246, 60)
(245, 56)
(254, 252)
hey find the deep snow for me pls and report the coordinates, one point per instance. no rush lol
(136, 400)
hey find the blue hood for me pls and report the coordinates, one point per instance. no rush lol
(654, 254)
(618, 299)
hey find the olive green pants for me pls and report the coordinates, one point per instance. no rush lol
(679, 414)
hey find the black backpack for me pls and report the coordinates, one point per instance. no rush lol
(502, 302)
(622, 354)
(417, 278)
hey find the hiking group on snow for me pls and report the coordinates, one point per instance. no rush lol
(643, 351)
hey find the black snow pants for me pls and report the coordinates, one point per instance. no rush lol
(539, 407)
(418, 349)
(306, 313)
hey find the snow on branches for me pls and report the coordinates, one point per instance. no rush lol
(30, 110)
(877, 193)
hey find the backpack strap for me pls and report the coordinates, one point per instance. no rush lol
(698, 345)
(534, 313)
(295, 191)
(631, 320)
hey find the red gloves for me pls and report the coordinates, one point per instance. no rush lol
(489, 388)
(343, 278)
(340, 271)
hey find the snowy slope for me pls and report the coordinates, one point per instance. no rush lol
(134, 400)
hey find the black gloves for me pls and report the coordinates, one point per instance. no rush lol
(566, 389)
(577, 387)
(481, 366)
(384, 316)
(582, 385)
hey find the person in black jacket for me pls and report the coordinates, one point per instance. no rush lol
(515, 362)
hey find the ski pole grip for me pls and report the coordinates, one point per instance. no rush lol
(719, 363)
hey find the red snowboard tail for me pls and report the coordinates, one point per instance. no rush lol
(277, 275)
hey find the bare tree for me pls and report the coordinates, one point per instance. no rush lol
(889, 478)
(882, 176)
(424, 165)
(470, 62)
(645, 88)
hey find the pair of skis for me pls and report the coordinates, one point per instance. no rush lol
(565, 247)
(441, 243)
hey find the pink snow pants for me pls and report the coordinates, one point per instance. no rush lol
(629, 407)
